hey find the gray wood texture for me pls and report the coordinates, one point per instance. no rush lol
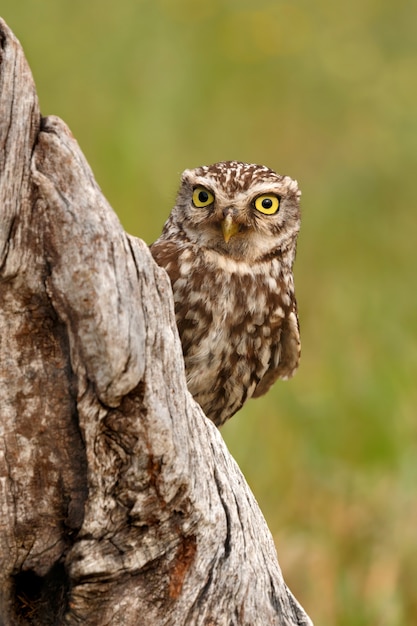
(119, 501)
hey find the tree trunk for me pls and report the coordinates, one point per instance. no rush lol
(119, 502)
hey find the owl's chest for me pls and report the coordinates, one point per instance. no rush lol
(227, 316)
(229, 320)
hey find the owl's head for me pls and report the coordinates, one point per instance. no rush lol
(242, 210)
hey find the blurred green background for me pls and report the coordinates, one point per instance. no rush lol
(327, 93)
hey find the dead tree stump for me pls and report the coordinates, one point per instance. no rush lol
(119, 502)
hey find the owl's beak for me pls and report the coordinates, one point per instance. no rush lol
(229, 227)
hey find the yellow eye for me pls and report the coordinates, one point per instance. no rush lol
(202, 197)
(267, 203)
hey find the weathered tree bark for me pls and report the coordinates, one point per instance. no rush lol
(119, 502)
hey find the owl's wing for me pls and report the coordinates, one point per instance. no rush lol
(285, 360)
(165, 254)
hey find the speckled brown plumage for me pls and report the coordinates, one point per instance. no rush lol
(229, 255)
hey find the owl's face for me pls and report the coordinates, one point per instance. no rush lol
(242, 210)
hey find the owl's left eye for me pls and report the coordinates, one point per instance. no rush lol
(202, 197)
(267, 203)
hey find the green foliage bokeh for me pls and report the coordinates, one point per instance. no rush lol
(325, 92)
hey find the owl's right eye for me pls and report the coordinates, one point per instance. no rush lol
(202, 197)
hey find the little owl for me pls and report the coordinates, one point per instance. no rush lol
(228, 247)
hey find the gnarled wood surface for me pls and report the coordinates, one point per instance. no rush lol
(119, 502)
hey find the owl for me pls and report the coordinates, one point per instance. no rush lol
(229, 246)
